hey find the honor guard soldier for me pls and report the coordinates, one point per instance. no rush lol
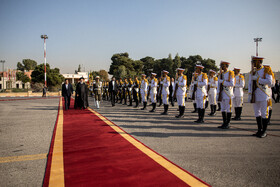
(153, 91)
(181, 92)
(97, 87)
(270, 90)
(136, 86)
(238, 93)
(212, 91)
(260, 79)
(165, 91)
(129, 91)
(143, 90)
(200, 95)
(226, 83)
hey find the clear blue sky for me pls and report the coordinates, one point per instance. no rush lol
(90, 32)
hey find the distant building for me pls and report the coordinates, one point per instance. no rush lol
(8, 80)
(74, 78)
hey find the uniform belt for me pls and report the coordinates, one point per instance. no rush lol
(213, 87)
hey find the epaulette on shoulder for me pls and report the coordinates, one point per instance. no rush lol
(185, 77)
(267, 70)
(205, 76)
(215, 78)
(156, 80)
(146, 80)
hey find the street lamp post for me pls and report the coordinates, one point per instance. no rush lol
(45, 37)
(2, 61)
(257, 40)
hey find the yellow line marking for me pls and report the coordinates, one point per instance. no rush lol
(184, 176)
(22, 158)
(57, 165)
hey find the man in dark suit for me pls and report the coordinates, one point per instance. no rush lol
(113, 90)
(67, 91)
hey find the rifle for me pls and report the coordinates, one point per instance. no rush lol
(208, 87)
(176, 88)
(254, 85)
(194, 89)
(221, 87)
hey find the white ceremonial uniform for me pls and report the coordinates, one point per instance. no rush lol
(201, 92)
(262, 93)
(165, 89)
(143, 89)
(212, 94)
(153, 90)
(181, 91)
(227, 93)
(238, 91)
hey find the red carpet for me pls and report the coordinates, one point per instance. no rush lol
(94, 154)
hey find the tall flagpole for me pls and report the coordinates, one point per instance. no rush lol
(45, 59)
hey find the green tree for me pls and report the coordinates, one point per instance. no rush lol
(27, 64)
(148, 65)
(54, 78)
(20, 66)
(121, 59)
(22, 77)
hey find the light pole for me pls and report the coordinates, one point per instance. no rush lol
(257, 40)
(45, 37)
(2, 61)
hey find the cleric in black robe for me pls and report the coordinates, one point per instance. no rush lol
(81, 95)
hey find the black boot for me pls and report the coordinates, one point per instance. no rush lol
(239, 113)
(269, 116)
(228, 121)
(264, 125)
(219, 107)
(199, 116)
(202, 115)
(154, 107)
(181, 112)
(212, 110)
(144, 106)
(165, 110)
(130, 102)
(206, 104)
(259, 123)
(224, 114)
(195, 109)
(137, 103)
(160, 102)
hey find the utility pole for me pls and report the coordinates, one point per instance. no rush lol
(257, 40)
(2, 61)
(45, 37)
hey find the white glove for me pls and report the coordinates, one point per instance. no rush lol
(221, 81)
(249, 97)
(255, 77)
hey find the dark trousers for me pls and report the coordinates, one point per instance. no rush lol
(113, 97)
(67, 102)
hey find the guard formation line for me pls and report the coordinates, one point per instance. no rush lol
(223, 89)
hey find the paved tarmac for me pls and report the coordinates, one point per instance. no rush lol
(219, 157)
(26, 128)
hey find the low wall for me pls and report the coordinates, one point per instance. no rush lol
(28, 94)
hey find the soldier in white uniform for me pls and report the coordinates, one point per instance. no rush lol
(238, 93)
(227, 82)
(264, 79)
(200, 95)
(144, 90)
(97, 87)
(181, 91)
(212, 91)
(153, 91)
(270, 90)
(165, 91)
